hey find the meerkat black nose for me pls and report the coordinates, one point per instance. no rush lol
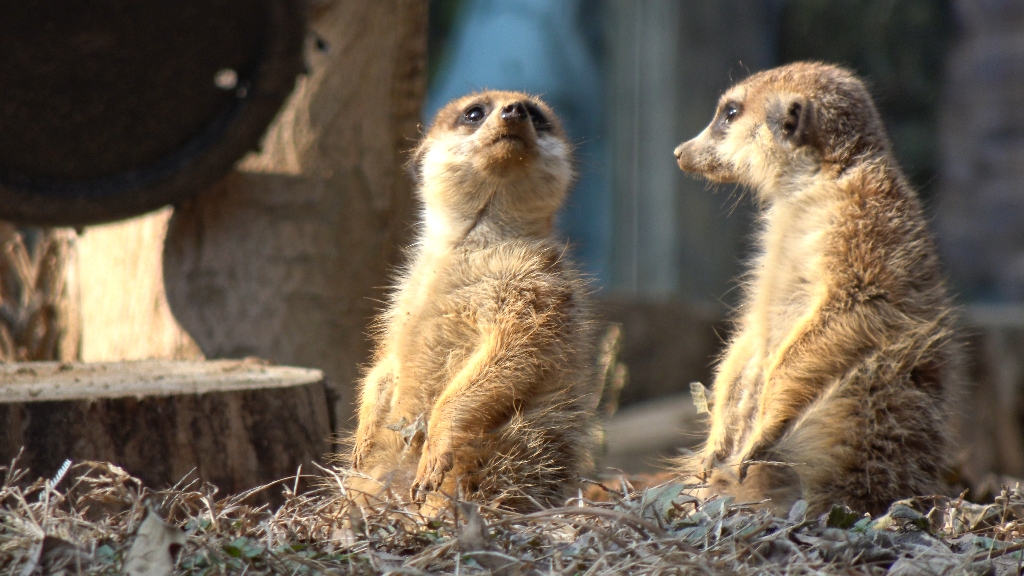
(682, 149)
(514, 112)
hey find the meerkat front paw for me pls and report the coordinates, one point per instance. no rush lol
(359, 453)
(754, 454)
(711, 459)
(430, 474)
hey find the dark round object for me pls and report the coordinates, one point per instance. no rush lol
(112, 108)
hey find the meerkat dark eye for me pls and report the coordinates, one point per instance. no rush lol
(540, 121)
(730, 112)
(474, 114)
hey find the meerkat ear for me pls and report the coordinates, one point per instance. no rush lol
(794, 121)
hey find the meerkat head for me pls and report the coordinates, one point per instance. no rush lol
(786, 124)
(497, 154)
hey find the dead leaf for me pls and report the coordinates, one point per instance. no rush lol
(797, 512)
(154, 549)
(53, 555)
(413, 432)
(657, 501)
(473, 534)
(700, 397)
(344, 537)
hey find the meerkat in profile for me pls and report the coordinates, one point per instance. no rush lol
(483, 379)
(844, 358)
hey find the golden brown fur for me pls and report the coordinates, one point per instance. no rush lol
(844, 357)
(483, 378)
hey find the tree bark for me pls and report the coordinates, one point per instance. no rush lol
(283, 259)
(287, 256)
(235, 424)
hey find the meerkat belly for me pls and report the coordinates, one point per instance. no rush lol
(438, 344)
(787, 294)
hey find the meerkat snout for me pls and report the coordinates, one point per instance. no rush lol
(514, 112)
(760, 136)
(494, 152)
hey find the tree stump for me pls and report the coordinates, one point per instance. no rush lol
(236, 423)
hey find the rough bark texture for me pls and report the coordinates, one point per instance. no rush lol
(39, 305)
(238, 424)
(285, 258)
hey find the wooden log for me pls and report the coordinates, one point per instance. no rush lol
(236, 423)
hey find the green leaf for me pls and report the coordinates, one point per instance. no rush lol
(106, 553)
(863, 524)
(841, 517)
(659, 500)
(750, 530)
(989, 543)
(695, 533)
(232, 550)
(717, 506)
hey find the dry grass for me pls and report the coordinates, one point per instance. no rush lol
(86, 523)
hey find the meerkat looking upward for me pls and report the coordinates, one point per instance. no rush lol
(844, 357)
(485, 353)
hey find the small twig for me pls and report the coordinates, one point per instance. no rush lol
(997, 553)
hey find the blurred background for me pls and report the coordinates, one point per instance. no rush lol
(633, 79)
(287, 255)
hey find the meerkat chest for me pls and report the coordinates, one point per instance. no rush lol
(438, 320)
(791, 276)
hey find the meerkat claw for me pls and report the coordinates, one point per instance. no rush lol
(417, 493)
(711, 460)
(742, 472)
(431, 473)
(359, 454)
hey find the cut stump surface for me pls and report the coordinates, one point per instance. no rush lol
(50, 381)
(235, 423)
